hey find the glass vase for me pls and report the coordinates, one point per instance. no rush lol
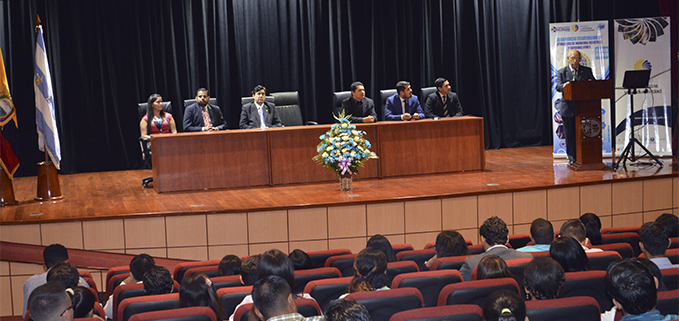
(346, 182)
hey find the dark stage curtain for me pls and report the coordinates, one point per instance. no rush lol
(106, 56)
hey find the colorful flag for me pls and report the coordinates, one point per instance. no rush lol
(44, 103)
(8, 160)
(7, 111)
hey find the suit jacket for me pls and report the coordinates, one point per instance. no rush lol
(193, 118)
(367, 108)
(249, 117)
(564, 75)
(472, 262)
(433, 106)
(393, 110)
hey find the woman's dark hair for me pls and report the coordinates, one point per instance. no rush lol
(197, 291)
(381, 243)
(504, 305)
(83, 302)
(149, 112)
(450, 243)
(593, 227)
(275, 262)
(300, 260)
(544, 278)
(492, 267)
(370, 271)
(569, 253)
(229, 265)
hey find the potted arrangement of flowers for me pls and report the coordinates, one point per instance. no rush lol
(343, 150)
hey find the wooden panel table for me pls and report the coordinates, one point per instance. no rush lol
(275, 156)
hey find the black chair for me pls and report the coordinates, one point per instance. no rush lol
(384, 94)
(383, 304)
(425, 93)
(302, 277)
(429, 283)
(147, 303)
(671, 278)
(145, 143)
(459, 312)
(475, 292)
(573, 308)
(287, 105)
(337, 99)
(588, 283)
(327, 290)
(668, 302)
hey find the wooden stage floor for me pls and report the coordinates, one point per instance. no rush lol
(106, 195)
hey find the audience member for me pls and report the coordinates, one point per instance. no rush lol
(670, 223)
(259, 113)
(654, 242)
(274, 300)
(403, 105)
(358, 108)
(575, 229)
(161, 122)
(346, 310)
(50, 302)
(504, 305)
(248, 269)
(64, 274)
(543, 278)
(493, 233)
(83, 303)
(300, 260)
(370, 272)
(52, 255)
(381, 243)
(229, 265)
(541, 234)
(196, 290)
(449, 243)
(633, 290)
(570, 254)
(442, 102)
(202, 116)
(492, 267)
(157, 280)
(138, 266)
(657, 277)
(593, 227)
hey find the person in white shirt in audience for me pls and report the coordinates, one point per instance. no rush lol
(138, 266)
(575, 229)
(541, 234)
(654, 242)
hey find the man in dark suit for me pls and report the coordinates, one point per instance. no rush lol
(201, 116)
(442, 103)
(403, 105)
(252, 114)
(493, 233)
(572, 72)
(358, 108)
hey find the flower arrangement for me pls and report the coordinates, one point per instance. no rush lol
(343, 149)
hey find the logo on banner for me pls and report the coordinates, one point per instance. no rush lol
(642, 64)
(561, 29)
(575, 28)
(642, 31)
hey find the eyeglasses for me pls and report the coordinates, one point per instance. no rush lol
(62, 313)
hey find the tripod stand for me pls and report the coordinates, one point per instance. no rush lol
(628, 153)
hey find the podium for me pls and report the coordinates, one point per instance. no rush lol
(586, 97)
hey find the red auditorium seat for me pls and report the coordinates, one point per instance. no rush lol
(476, 249)
(601, 260)
(230, 297)
(623, 229)
(302, 277)
(674, 242)
(226, 281)
(114, 282)
(116, 270)
(624, 249)
(672, 254)
(418, 256)
(671, 278)
(305, 307)
(475, 292)
(400, 247)
(326, 290)
(668, 302)
(625, 237)
(210, 271)
(344, 263)
(429, 283)
(562, 309)
(181, 314)
(540, 253)
(181, 268)
(588, 283)
(448, 263)
(400, 267)
(126, 291)
(460, 312)
(319, 257)
(146, 303)
(87, 276)
(518, 240)
(516, 266)
(383, 304)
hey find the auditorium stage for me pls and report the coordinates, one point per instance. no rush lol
(119, 195)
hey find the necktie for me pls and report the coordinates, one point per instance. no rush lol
(261, 116)
(405, 106)
(445, 106)
(206, 118)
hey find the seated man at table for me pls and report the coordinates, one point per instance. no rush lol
(358, 108)
(201, 116)
(403, 105)
(259, 113)
(443, 102)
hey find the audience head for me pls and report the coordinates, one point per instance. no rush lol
(504, 305)
(157, 280)
(631, 286)
(381, 243)
(229, 265)
(570, 254)
(275, 262)
(50, 302)
(575, 229)
(403, 89)
(370, 271)
(140, 264)
(248, 269)
(196, 290)
(346, 310)
(655, 271)
(272, 296)
(543, 278)
(494, 231)
(54, 254)
(654, 241)
(670, 223)
(492, 267)
(64, 274)
(83, 302)
(541, 231)
(202, 97)
(593, 227)
(300, 260)
(450, 243)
